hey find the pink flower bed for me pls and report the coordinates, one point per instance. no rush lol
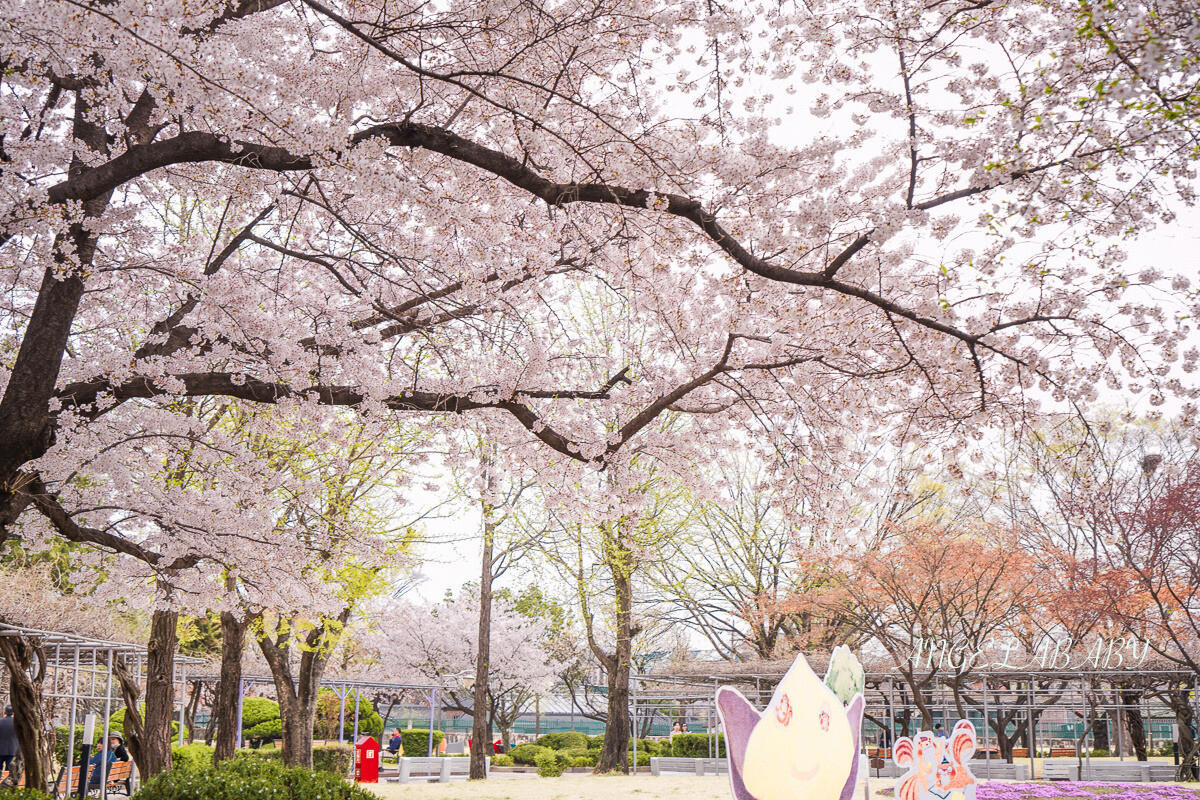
(1086, 790)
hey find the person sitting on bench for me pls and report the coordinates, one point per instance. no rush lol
(396, 744)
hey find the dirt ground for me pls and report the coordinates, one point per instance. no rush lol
(574, 787)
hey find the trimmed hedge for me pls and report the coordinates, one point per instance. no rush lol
(595, 742)
(195, 757)
(275, 755)
(256, 711)
(415, 741)
(251, 779)
(502, 760)
(270, 729)
(336, 759)
(694, 745)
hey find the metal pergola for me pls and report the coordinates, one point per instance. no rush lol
(79, 671)
(342, 687)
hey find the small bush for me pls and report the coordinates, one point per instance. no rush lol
(257, 710)
(584, 761)
(648, 745)
(643, 759)
(502, 760)
(61, 732)
(192, 757)
(564, 740)
(270, 729)
(595, 742)
(527, 754)
(415, 741)
(551, 763)
(22, 793)
(335, 759)
(251, 779)
(1099, 754)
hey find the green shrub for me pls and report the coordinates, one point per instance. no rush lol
(502, 760)
(527, 753)
(251, 779)
(256, 711)
(22, 793)
(648, 745)
(335, 759)
(585, 760)
(552, 763)
(61, 732)
(1099, 754)
(270, 729)
(694, 745)
(595, 742)
(416, 741)
(194, 757)
(643, 759)
(564, 740)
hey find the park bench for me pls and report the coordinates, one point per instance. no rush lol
(1063, 752)
(118, 773)
(691, 766)
(1115, 771)
(991, 768)
(436, 769)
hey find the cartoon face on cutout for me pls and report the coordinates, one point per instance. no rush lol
(937, 768)
(802, 747)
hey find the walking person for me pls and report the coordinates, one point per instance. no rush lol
(8, 740)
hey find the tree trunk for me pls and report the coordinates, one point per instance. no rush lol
(131, 693)
(225, 705)
(25, 696)
(160, 692)
(614, 753)
(298, 696)
(481, 729)
(193, 705)
(1130, 698)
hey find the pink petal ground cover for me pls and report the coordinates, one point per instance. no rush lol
(1086, 790)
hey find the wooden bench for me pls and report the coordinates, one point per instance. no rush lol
(691, 766)
(436, 769)
(120, 772)
(1063, 752)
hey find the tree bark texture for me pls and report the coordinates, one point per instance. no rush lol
(25, 695)
(160, 692)
(481, 728)
(225, 705)
(131, 693)
(1130, 699)
(614, 753)
(297, 695)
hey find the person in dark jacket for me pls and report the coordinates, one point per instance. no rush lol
(8, 740)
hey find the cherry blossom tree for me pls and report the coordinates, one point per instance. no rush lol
(395, 209)
(439, 644)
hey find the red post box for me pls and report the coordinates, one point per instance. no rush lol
(366, 760)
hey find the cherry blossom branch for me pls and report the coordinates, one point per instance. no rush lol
(47, 503)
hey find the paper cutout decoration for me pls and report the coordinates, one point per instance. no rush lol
(937, 767)
(803, 746)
